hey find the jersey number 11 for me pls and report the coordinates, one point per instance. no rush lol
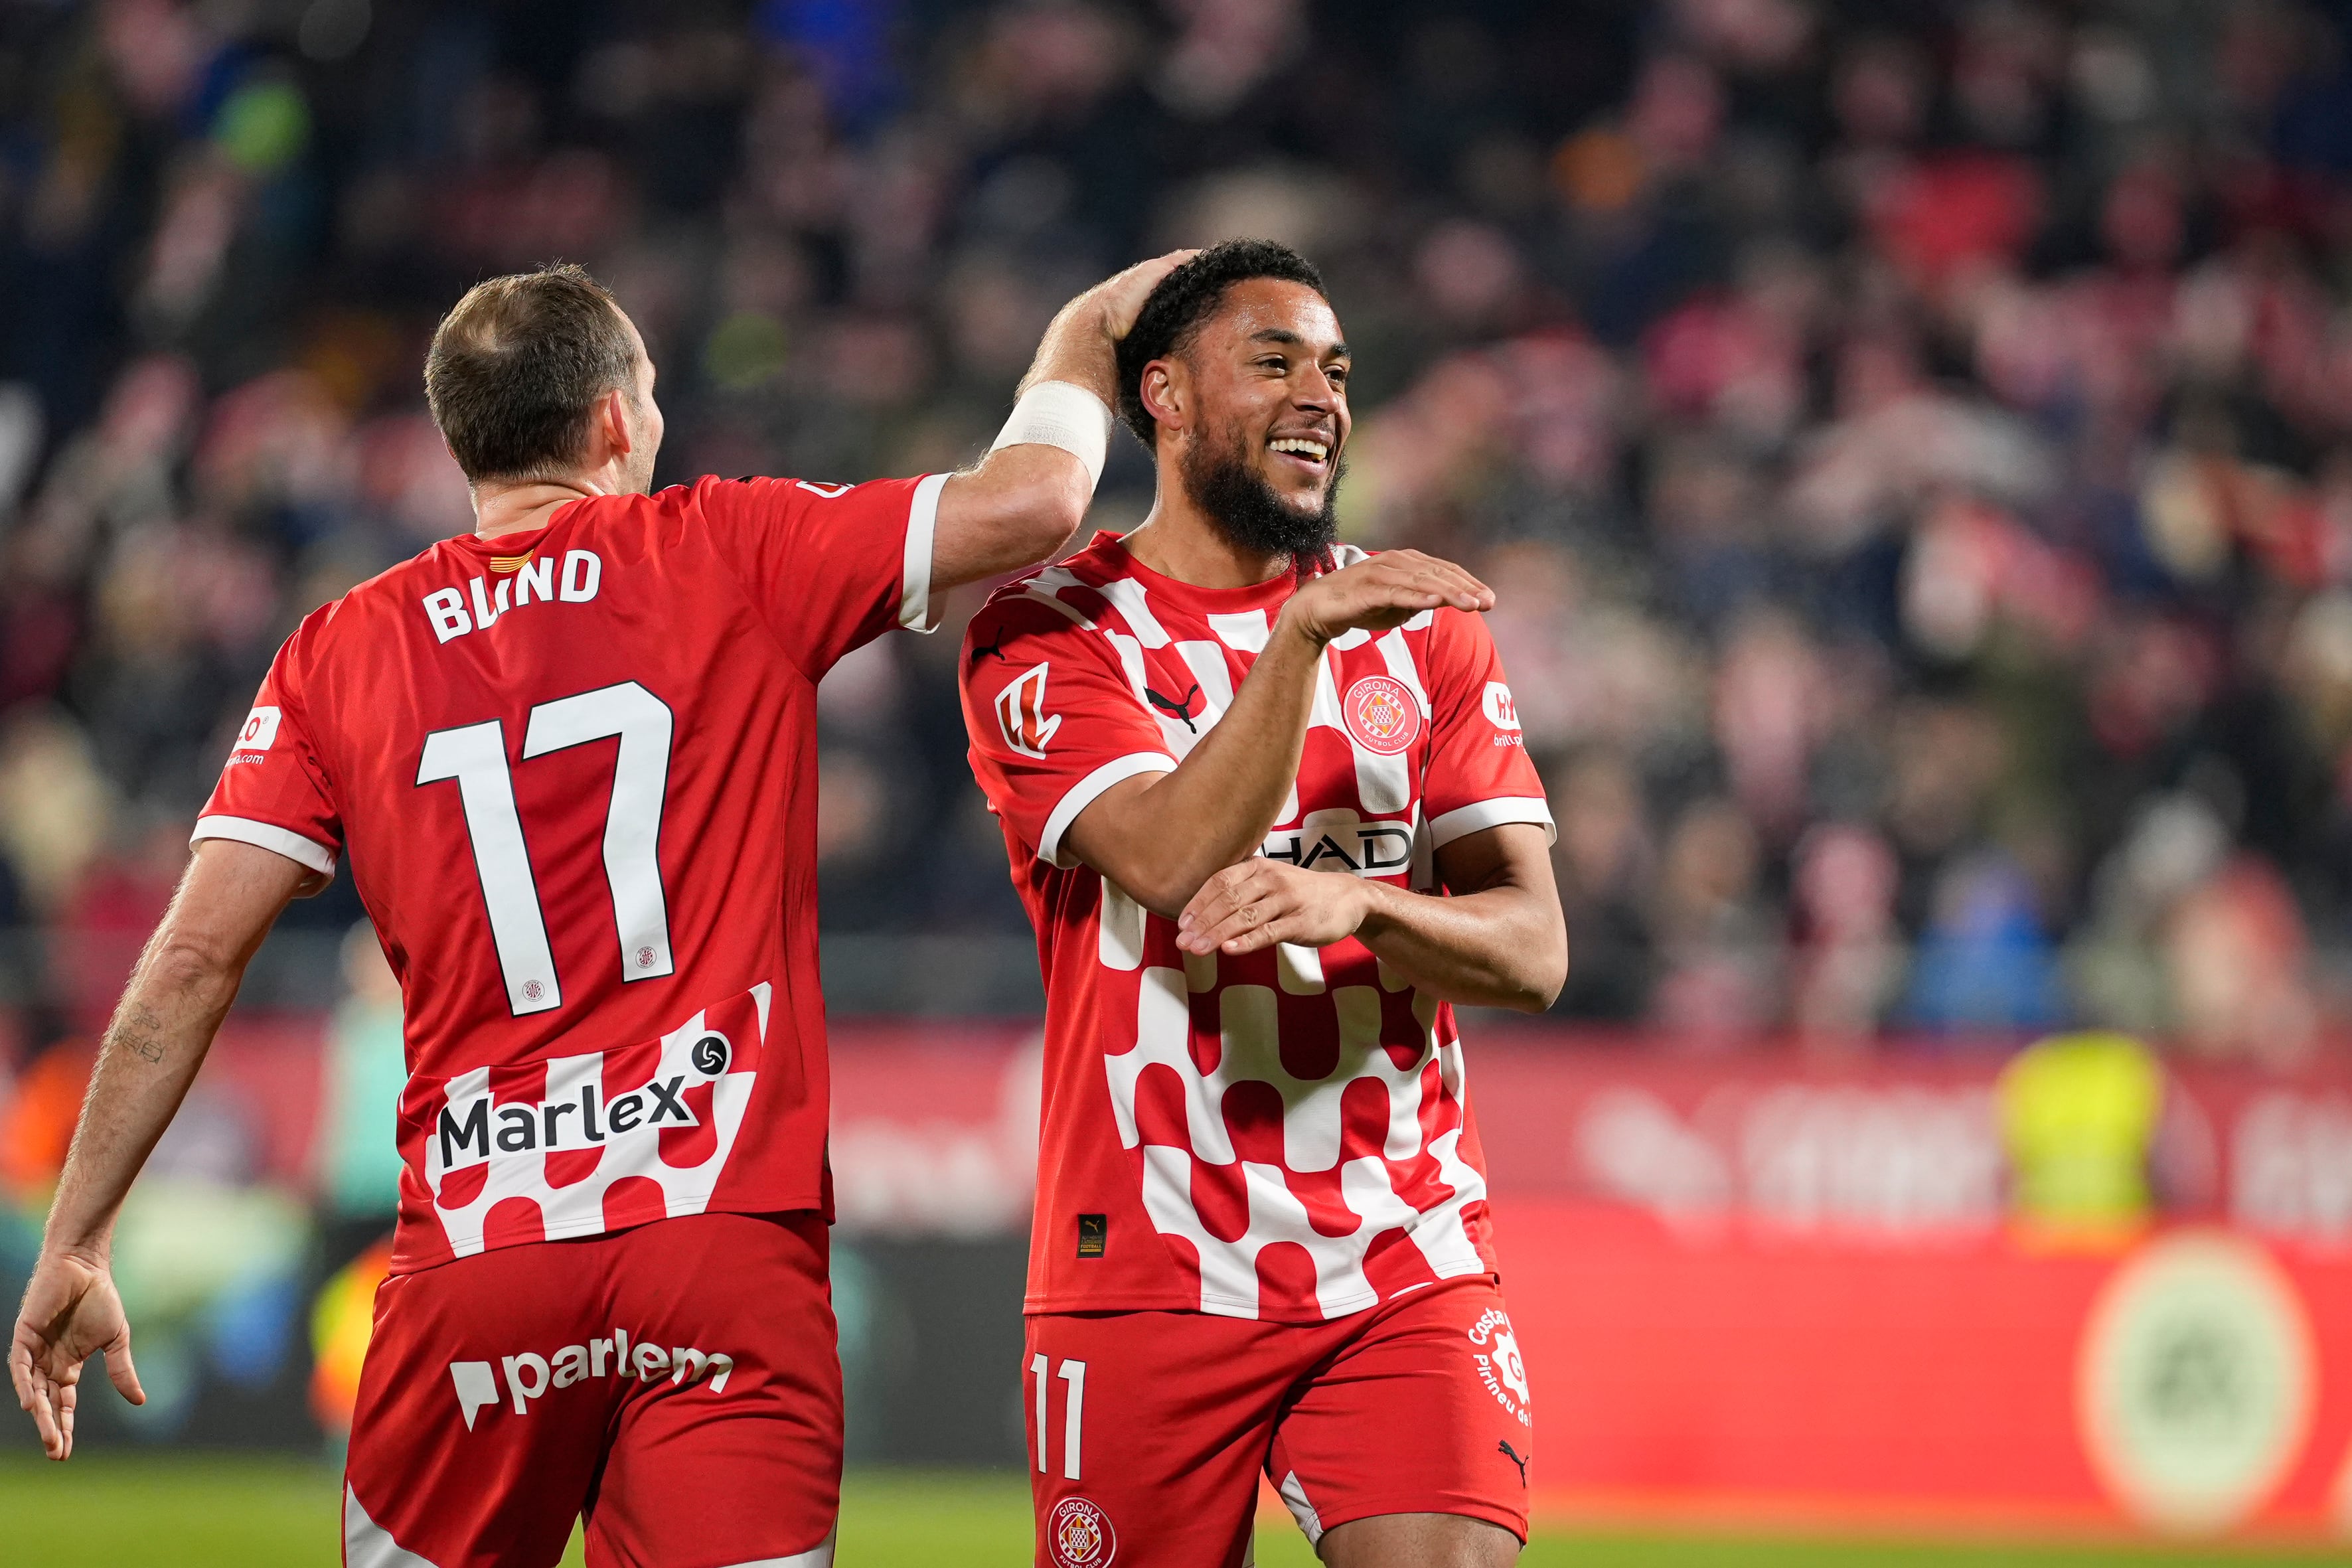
(475, 756)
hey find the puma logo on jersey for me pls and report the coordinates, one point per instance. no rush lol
(1176, 708)
(537, 580)
(1021, 713)
(1513, 1455)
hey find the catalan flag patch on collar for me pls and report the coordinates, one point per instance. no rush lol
(503, 563)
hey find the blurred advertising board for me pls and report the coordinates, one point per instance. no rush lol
(2072, 1289)
(2093, 1293)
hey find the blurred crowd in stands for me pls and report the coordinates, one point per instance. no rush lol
(1912, 440)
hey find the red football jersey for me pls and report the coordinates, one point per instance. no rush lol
(1284, 1135)
(574, 770)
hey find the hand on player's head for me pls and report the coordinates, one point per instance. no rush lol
(1122, 294)
(1384, 591)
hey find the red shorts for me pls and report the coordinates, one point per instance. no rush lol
(1146, 1430)
(678, 1383)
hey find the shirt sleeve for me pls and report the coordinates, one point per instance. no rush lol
(1479, 775)
(274, 792)
(831, 566)
(1054, 720)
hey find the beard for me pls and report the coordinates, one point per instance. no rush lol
(1234, 495)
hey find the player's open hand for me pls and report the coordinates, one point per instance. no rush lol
(1122, 296)
(1381, 591)
(1260, 902)
(71, 1311)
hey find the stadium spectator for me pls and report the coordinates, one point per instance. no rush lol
(1916, 460)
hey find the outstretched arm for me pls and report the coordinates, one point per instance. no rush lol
(182, 989)
(1499, 941)
(1160, 838)
(1023, 502)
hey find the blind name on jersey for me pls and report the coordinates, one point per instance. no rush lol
(573, 770)
(516, 582)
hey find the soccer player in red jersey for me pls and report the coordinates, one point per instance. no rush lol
(571, 758)
(1266, 803)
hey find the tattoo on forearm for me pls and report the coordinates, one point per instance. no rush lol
(140, 1030)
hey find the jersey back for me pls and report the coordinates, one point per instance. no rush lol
(574, 772)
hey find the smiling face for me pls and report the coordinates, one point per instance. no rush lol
(1253, 409)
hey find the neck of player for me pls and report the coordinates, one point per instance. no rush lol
(518, 505)
(1181, 540)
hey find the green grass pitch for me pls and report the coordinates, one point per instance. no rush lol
(116, 1511)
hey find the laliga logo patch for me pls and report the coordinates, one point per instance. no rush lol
(1081, 1534)
(1021, 713)
(1381, 714)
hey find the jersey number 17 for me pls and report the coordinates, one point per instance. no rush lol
(475, 755)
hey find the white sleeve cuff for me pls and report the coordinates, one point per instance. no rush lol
(1084, 793)
(915, 611)
(267, 835)
(1463, 821)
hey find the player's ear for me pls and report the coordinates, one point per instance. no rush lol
(613, 424)
(1165, 392)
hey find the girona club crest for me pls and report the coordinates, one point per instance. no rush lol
(1081, 1535)
(1381, 714)
(1021, 713)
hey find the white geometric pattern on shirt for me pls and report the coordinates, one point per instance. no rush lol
(1384, 782)
(578, 1208)
(1250, 1048)
(1250, 1051)
(367, 1544)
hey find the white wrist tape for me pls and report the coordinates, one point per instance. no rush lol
(1061, 414)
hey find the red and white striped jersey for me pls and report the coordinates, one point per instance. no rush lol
(574, 770)
(1284, 1135)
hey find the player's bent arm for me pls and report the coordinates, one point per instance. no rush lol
(185, 979)
(1023, 501)
(1499, 941)
(1161, 836)
(1018, 507)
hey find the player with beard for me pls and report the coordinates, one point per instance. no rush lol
(1266, 803)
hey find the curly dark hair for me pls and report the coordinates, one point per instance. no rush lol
(1189, 295)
